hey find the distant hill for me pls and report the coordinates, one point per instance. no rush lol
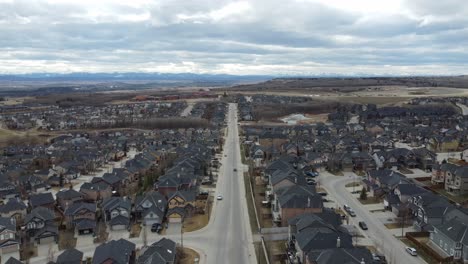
(128, 76)
(353, 84)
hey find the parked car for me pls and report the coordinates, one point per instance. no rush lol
(235, 169)
(322, 193)
(349, 210)
(363, 225)
(310, 182)
(312, 173)
(411, 251)
(156, 228)
(219, 197)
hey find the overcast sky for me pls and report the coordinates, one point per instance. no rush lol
(302, 37)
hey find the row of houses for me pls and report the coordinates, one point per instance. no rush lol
(164, 251)
(80, 117)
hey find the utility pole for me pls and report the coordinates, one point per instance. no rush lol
(182, 236)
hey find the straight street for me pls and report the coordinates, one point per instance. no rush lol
(385, 242)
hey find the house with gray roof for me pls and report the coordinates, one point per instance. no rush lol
(9, 243)
(115, 251)
(14, 208)
(294, 200)
(163, 251)
(40, 225)
(43, 200)
(117, 212)
(70, 256)
(457, 183)
(355, 255)
(150, 208)
(82, 217)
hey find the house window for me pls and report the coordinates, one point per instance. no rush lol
(452, 252)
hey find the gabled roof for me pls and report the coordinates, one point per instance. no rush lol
(297, 196)
(12, 260)
(119, 251)
(322, 238)
(410, 189)
(70, 256)
(6, 224)
(45, 214)
(111, 203)
(161, 252)
(68, 194)
(12, 205)
(355, 255)
(327, 215)
(76, 207)
(41, 199)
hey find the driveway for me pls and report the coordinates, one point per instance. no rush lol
(174, 229)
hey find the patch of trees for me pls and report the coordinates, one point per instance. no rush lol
(153, 123)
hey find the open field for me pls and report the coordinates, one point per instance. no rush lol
(9, 137)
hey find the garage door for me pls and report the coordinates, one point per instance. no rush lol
(47, 240)
(175, 220)
(119, 227)
(149, 222)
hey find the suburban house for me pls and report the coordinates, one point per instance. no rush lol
(309, 233)
(151, 208)
(355, 255)
(42, 200)
(70, 256)
(82, 217)
(94, 192)
(117, 212)
(292, 201)
(115, 251)
(457, 183)
(163, 251)
(451, 237)
(14, 208)
(428, 209)
(68, 197)
(8, 240)
(186, 199)
(40, 225)
(441, 171)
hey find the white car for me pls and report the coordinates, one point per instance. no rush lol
(219, 197)
(411, 251)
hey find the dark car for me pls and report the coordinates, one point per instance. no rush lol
(156, 228)
(363, 225)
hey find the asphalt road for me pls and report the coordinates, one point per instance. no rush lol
(228, 237)
(392, 247)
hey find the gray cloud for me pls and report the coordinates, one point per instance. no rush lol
(250, 37)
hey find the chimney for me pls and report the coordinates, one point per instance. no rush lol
(178, 175)
(362, 261)
(308, 202)
(295, 179)
(338, 242)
